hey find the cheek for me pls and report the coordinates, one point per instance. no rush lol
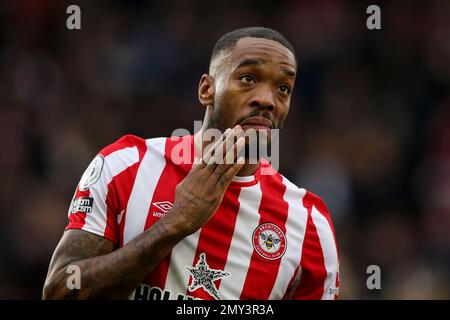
(227, 103)
(282, 115)
(223, 114)
(222, 88)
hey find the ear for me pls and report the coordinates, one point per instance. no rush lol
(206, 90)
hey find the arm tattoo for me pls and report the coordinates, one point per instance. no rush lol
(105, 272)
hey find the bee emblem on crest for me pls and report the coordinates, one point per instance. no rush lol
(269, 241)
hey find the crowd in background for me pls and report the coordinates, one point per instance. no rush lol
(368, 129)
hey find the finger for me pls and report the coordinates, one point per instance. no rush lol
(227, 176)
(198, 163)
(232, 154)
(210, 150)
(220, 150)
(235, 147)
(221, 154)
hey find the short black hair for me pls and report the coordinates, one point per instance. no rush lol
(229, 40)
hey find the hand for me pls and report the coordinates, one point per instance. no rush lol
(200, 193)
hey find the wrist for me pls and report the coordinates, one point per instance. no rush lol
(174, 224)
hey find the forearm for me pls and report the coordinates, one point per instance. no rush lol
(115, 275)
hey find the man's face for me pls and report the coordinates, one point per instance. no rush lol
(253, 85)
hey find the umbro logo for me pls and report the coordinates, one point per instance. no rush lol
(163, 206)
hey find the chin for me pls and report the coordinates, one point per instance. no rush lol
(257, 143)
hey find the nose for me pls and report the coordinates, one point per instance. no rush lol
(263, 98)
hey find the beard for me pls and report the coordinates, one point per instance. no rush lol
(258, 142)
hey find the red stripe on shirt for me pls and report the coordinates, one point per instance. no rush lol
(215, 238)
(312, 262)
(273, 209)
(127, 141)
(169, 179)
(120, 190)
(321, 207)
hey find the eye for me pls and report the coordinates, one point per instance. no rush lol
(247, 79)
(284, 89)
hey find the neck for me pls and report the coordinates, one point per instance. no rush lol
(200, 144)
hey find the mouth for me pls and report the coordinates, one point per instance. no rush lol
(257, 123)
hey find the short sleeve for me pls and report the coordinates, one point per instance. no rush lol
(96, 205)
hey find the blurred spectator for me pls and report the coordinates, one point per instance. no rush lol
(367, 131)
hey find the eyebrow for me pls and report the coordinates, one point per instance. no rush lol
(257, 62)
(289, 72)
(250, 62)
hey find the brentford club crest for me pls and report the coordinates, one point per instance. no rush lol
(269, 241)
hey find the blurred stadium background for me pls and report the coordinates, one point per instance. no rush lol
(368, 128)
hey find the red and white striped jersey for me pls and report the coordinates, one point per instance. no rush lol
(268, 239)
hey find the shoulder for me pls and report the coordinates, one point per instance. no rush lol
(126, 141)
(123, 153)
(133, 143)
(312, 200)
(308, 198)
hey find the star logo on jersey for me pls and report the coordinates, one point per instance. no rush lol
(203, 277)
(269, 241)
